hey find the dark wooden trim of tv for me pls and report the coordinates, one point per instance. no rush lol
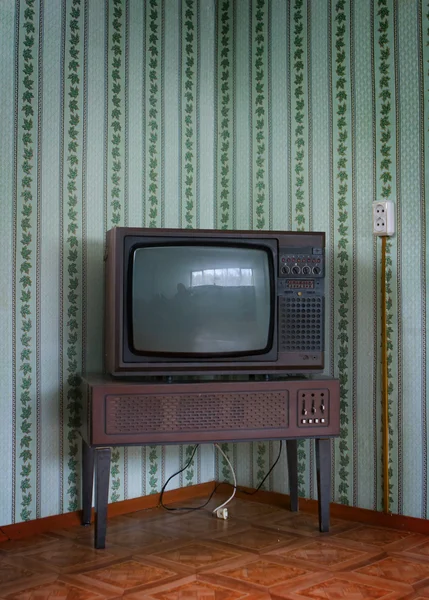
(114, 326)
(183, 369)
(121, 232)
(364, 516)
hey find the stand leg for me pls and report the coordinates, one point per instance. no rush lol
(87, 482)
(323, 466)
(102, 471)
(292, 464)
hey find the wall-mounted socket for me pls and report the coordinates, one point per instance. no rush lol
(383, 217)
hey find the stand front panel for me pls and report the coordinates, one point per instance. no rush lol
(123, 413)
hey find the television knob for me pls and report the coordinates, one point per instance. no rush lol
(306, 270)
(317, 270)
(285, 270)
(296, 270)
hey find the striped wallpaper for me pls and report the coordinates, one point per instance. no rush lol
(285, 114)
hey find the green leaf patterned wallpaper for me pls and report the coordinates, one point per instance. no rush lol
(285, 114)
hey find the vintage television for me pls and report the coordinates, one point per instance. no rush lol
(207, 302)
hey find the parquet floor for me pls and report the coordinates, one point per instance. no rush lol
(261, 552)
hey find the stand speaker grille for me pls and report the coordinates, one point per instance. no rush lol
(186, 412)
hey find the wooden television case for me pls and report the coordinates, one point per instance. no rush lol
(276, 361)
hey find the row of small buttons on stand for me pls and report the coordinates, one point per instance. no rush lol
(311, 421)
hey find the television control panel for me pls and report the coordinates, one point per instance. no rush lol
(302, 263)
(300, 290)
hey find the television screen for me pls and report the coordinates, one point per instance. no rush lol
(201, 299)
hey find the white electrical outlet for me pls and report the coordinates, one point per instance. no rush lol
(383, 217)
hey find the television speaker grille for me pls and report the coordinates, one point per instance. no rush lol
(301, 323)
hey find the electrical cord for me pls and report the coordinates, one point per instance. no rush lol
(243, 491)
(233, 475)
(193, 508)
(175, 508)
(266, 476)
(187, 508)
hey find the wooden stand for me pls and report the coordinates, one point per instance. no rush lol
(127, 413)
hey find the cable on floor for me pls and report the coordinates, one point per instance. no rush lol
(234, 477)
(266, 476)
(193, 508)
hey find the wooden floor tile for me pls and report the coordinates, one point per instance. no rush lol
(397, 569)
(264, 573)
(256, 539)
(320, 555)
(198, 590)
(374, 535)
(128, 574)
(299, 524)
(261, 553)
(58, 590)
(68, 557)
(197, 555)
